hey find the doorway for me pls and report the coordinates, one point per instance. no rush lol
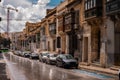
(85, 49)
(95, 44)
(117, 45)
(73, 43)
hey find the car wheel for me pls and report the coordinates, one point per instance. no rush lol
(57, 64)
(76, 67)
(63, 65)
(45, 61)
(40, 60)
(48, 62)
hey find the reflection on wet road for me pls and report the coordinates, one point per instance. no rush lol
(3, 74)
(26, 69)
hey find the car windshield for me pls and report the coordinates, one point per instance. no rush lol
(34, 54)
(45, 54)
(67, 57)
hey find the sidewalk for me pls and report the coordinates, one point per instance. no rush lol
(3, 75)
(99, 69)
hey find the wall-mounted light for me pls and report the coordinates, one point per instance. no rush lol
(79, 36)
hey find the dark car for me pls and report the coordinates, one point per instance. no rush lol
(0, 51)
(26, 54)
(51, 59)
(66, 61)
(34, 56)
(43, 56)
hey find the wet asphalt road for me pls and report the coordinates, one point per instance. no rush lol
(27, 69)
(3, 74)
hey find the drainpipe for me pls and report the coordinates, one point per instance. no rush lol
(119, 74)
(105, 40)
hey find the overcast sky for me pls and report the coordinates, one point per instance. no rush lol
(28, 10)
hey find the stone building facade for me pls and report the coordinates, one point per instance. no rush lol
(51, 29)
(87, 29)
(15, 43)
(61, 36)
(43, 34)
(112, 28)
(31, 36)
(92, 32)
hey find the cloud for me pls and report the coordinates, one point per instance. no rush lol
(26, 12)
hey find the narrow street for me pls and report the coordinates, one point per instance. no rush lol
(59, 39)
(25, 69)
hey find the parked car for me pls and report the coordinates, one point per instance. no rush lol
(18, 53)
(51, 58)
(34, 56)
(22, 54)
(66, 61)
(27, 54)
(43, 56)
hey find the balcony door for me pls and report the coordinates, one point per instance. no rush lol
(96, 44)
(85, 49)
(72, 44)
(117, 45)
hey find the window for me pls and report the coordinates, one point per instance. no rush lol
(108, 0)
(58, 42)
(42, 31)
(52, 28)
(90, 4)
(38, 37)
(77, 17)
(85, 5)
(68, 19)
(94, 3)
(54, 45)
(60, 22)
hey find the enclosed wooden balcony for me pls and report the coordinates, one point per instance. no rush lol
(93, 9)
(60, 24)
(112, 6)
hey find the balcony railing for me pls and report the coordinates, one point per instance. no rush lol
(90, 14)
